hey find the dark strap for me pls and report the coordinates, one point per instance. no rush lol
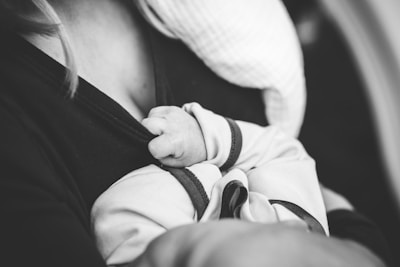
(312, 223)
(193, 187)
(236, 147)
(163, 92)
(233, 198)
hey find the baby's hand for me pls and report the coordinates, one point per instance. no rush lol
(180, 142)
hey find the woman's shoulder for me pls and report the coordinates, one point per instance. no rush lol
(23, 164)
(355, 226)
(17, 147)
(37, 208)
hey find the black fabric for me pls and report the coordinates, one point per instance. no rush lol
(191, 80)
(355, 226)
(57, 155)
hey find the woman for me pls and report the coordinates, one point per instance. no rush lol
(63, 145)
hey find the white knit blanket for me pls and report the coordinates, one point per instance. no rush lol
(251, 43)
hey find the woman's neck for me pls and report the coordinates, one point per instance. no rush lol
(110, 49)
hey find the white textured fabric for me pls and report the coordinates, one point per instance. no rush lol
(148, 201)
(251, 43)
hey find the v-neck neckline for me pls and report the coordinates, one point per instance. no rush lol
(53, 72)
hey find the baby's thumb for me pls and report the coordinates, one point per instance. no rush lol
(160, 147)
(154, 125)
(172, 162)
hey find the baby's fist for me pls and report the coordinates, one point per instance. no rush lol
(180, 142)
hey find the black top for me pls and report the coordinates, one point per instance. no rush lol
(58, 154)
(354, 226)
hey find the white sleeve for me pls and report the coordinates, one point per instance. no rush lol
(144, 204)
(136, 209)
(276, 164)
(244, 145)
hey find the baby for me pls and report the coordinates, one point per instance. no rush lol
(230, 169)
(213, 167)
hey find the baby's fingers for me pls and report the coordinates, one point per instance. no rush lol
(163, 146)
(163, 111)
(172, 162)
(155, 125)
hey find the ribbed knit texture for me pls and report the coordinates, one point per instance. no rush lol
(248, 43)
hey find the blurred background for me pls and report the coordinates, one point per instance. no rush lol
(352, 125)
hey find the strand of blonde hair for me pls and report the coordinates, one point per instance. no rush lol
(71, 76)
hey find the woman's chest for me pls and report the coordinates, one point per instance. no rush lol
(110, 50)
(119, 63)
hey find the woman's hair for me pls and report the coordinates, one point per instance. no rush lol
(21, 16)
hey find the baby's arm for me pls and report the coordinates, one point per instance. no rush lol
(142, 205)
(193, 134)
(277, 165)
